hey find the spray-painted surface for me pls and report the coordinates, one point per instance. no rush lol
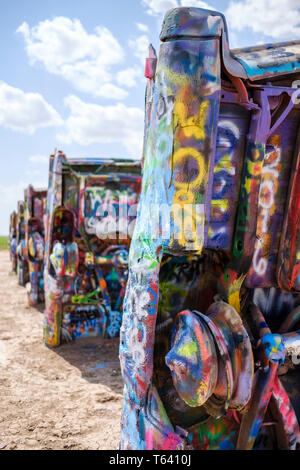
(91, 211)
(35, 205)
(289, 268)
(13, 241)
(27, 247)
(22, 263)
(204, 333)
(267, 60)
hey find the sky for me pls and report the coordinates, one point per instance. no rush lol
(72, 76)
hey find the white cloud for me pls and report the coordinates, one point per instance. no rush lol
(272, 18)
(195, 3)
(12, 193)
(140, 46)
(157, 7)
(86, 60)
(25, 112)
(127, 77)
(36, 174)
(90, 123)
(9, 196)
(142, 27)
(38, 159)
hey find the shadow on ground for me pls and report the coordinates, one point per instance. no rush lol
(64, 398)
(96, 358)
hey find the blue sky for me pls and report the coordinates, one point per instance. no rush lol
(72, 76)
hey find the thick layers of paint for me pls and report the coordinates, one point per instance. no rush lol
(266, 61)
(217, 163)
(289, 261)
(233, 126)
(178, 171)
(245, 227)
(13, 241)
(89, 222)
(34, 238)
(27, 243)
(272, 202)
(22, 263)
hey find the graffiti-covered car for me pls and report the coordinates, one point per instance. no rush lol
(22, 263)
(35, 204)
(209, 341)
(91, 211)
(12, 241)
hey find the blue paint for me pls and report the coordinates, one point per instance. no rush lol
(102, 365)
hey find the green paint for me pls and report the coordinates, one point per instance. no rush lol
(188, 350)
(3, 243)
(199, 198)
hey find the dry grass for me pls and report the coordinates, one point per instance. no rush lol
(3, 243)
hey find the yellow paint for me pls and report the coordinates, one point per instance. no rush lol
(223, 164)
(234, 301)
(234, 293)
(178, 158)
(188, 124)
(186, 219)
(188, 350)
(192, 126)
(254, 168)
(248, 183)
(184, 197)
(222, 204)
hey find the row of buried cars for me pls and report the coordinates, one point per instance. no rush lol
(210, 336)
(69, 244)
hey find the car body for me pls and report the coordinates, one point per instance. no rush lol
(13, 241)
(209, 342)
(22, 264)
(35, 205)
(90, 212)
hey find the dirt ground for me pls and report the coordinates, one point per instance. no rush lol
(67, 398)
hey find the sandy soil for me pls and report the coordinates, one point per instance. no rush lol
(67, 398)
